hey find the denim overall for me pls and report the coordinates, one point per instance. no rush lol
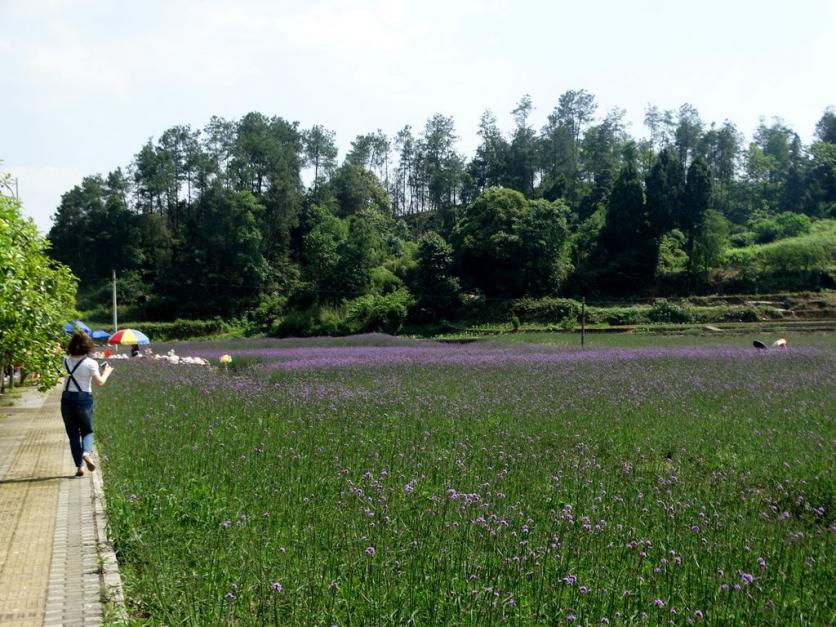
(77, 412)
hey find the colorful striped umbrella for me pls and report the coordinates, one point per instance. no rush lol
(128, 337)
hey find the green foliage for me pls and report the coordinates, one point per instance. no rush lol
(546, 309)
(515, 323)
(378, 313)
(710, 241)
(94, 231)
(486, 241)
(37, 296)
(804, 262)
(628, 251)
(624, 316)
(821, 181)
(694, 212)
(665, 311)
(403, 265)
(268, 312)
(665, 184)
(316, 320)
(384, 281)
(224, 264)
(543, 260)
(672, 255)
(211, 220)
(433, 280)
(321, 253)
(782, 226)
(356, 189)
(741, 239)
(359, 253)
(626, 218)
(507, 245)
(321, 152)
(364, 314)
(181, 329)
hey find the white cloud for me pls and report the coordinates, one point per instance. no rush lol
(215, 44)
(75, 67)
(40, 188)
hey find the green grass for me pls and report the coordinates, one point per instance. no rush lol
(816, 247)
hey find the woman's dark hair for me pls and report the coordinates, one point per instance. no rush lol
(80, 344)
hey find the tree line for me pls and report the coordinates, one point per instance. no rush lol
(218, 221)
(37, 295)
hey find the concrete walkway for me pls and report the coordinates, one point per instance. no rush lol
(56, 566)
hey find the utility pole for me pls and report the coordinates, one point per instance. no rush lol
(115, 324)
(583, 320)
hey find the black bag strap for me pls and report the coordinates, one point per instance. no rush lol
(71, 373)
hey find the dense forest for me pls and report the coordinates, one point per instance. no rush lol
(219, 222)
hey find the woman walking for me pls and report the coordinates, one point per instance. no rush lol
(77, 399)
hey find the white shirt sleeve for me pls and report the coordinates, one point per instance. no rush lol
(92, 367)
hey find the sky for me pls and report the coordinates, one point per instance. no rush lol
(85, 83)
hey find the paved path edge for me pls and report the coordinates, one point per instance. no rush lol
(112, 592)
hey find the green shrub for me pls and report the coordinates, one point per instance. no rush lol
(330, 321)
(782, 226)
(568, 324)
(315, 320)
(623, 316)
(665, 311)
(738, 314)
(384, 281)
(378, 313)
(180, 329)
(744, 238)
(515, 323)
(725, 313)
(297, 323)
(270, 309)
(546, 309)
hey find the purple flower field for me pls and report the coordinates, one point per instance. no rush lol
(375, 480)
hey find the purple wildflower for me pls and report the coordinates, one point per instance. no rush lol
(659, 603)
(370, 551)
(747, 578)
(277, 587)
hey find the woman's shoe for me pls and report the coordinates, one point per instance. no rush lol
(79, 472)
(88, 459)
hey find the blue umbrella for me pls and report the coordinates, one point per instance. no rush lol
(100, 335)
(72, 325)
